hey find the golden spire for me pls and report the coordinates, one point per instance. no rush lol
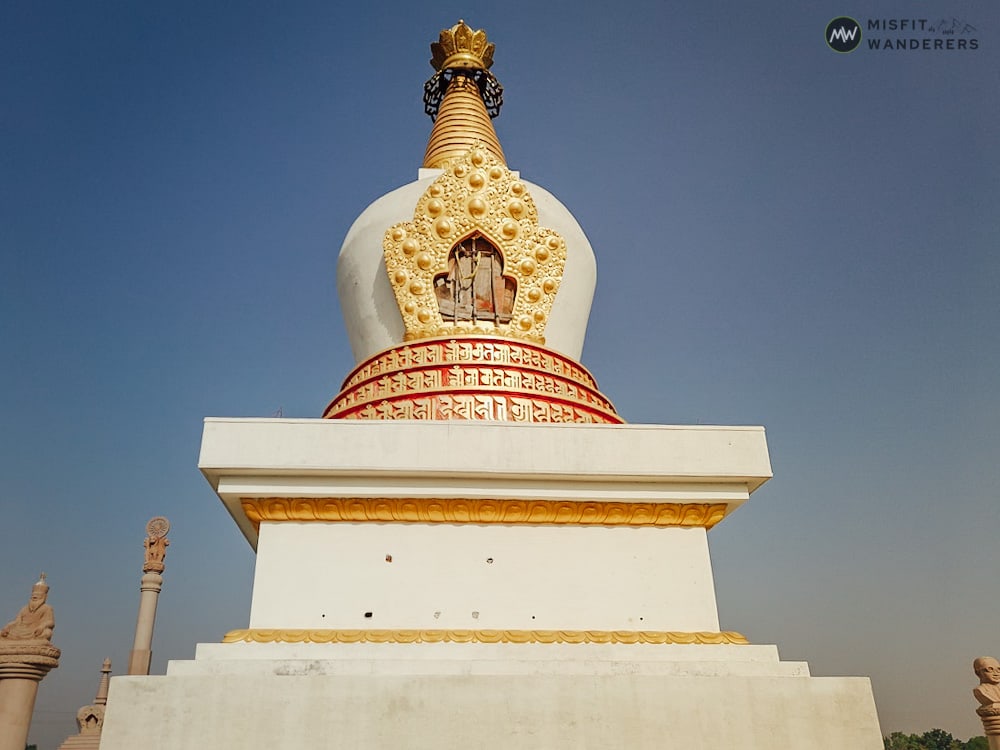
(462, 96)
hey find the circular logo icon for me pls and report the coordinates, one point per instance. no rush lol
(843, 34)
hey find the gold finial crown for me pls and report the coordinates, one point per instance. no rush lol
(462, 47)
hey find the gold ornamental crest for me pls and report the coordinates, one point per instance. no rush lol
(461, 46)
(474, 260)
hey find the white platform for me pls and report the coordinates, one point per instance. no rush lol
(290, 659)
(348, 576)
(489, 710)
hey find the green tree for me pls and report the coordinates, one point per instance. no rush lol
(935, 739)
(900, 741)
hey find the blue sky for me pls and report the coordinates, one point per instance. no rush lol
(785, 236)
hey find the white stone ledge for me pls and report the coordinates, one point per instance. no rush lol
(634, 453)
(439, 667)
(471, 488)
(593, 652)
(469, 460)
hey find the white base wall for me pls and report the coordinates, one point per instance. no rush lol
(525, 711)
(492, 577)
(550, 696)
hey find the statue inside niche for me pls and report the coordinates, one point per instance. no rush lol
(474, 288)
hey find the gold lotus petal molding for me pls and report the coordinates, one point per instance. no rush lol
(652, 637)
(476, 195)
(458, 510)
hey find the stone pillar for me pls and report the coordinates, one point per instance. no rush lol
(90, 719)
(156, 550)
(26, 656)
(987, 669)
(990, 716)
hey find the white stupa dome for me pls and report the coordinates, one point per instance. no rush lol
(369, 307)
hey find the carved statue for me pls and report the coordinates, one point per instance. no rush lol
(987, 669)
(156, 543)
(156, 548)
(35, 621)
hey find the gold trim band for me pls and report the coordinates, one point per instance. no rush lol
(451, 510)
(654, 637)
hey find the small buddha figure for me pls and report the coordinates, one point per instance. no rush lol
(35, 621)
(474, 288)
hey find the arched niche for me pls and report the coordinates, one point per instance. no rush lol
(474, 288)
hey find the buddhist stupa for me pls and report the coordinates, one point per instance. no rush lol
(466, 293)
(470, 548)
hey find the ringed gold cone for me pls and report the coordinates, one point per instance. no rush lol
(462, 122)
